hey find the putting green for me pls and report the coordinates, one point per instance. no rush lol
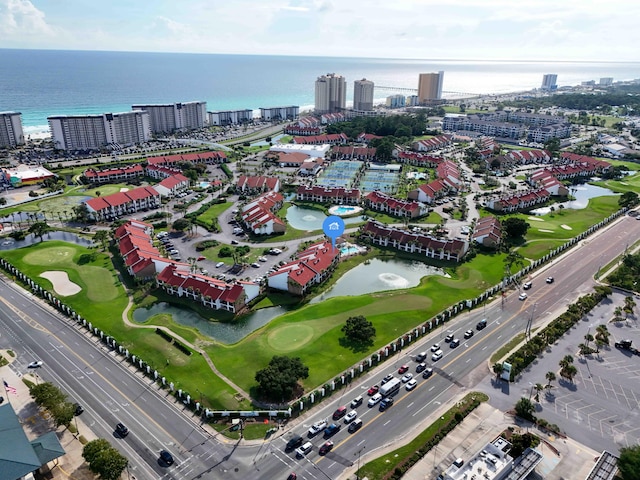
(51, 256)
(290, 337)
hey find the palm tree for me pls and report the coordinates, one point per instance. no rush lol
(617, 314)
(550, 376)
(629, 305)
(589, 338)
(539, 387)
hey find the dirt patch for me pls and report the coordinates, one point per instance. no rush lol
(61, 283)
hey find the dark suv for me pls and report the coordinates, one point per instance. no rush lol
(481, 324)
(121, 430)
(293, 443)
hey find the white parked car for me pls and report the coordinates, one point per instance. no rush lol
(411, 384)
(407, 377)
(36, 364)
(436, 356)
(373, 401)
(523, 296)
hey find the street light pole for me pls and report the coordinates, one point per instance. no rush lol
(358, 453)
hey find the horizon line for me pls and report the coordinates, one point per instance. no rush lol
(509, 60)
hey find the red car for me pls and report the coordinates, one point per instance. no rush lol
(373, 390)
(339, 413)
(202, 258)
(403, 369)
(326, 448)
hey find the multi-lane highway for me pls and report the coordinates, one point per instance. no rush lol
(111, 392)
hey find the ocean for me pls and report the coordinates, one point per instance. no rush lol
(42, 83)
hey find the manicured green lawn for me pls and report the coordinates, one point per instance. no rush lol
(214, 212)
(102, 301)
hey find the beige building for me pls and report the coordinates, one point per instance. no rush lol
(331, 93)
(430, 87)
(363, 95)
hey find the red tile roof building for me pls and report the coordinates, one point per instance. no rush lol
(418, 243)
(293, 129)
(330, 139)
(200, 157)
(488, 232)
(144, 261)
(448, 181)
(113, 175)
(311, 267)
(169, 186)
(348, 152)
(118, 204)
(518, 201)
(417, 159)
(434, 143)
(337, 195)
(254, 185)
(260, 217)
(382, 202)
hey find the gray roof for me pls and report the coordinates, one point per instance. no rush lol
(18, 456)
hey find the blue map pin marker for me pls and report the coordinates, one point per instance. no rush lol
(333, 227)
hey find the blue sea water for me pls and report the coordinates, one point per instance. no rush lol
(41, 83)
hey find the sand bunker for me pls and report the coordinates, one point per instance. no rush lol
(61, 283)
(535, 219)
(543, 230)
(124, 189)
(566, 227)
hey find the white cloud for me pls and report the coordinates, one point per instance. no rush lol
(20, 17)
(465, 29)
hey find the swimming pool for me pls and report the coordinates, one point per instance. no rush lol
(344, 210)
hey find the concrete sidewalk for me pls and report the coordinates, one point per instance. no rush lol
(35, 423)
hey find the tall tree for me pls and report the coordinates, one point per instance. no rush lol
(550, 376)
(359, 330)
(104, 460)
(278, 381)
(39, 229)
(629, 462)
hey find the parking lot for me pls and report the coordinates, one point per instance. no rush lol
(601, 406)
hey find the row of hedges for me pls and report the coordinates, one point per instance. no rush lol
(407, 456)
(526, 354)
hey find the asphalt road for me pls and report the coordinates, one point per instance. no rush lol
(111, 392)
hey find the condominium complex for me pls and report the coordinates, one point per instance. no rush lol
(363, 95)
(396, 101)
(92, 132)
(331, 93)
(606, 81)
(279, 113)
(430, 87)
(11, 134)
(549, 81)
(170, 117)
(230, 117)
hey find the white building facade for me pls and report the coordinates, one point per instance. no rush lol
(331, 93)
(167, 118)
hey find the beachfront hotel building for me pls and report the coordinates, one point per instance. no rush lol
(396, 101)
(230, 117)
(549, 81)
(363, 95)
(92, 132)
(430, 87)
(11, 134)
(279, 113)
(331, 93)
(171, 117)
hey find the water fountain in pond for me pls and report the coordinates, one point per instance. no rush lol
(393, 280)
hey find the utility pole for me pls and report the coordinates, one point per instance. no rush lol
(358, 453)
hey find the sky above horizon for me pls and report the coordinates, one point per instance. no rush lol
(527, 30)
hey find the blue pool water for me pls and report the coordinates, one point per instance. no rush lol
(342, 210)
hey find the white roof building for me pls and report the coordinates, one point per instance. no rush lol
(311, 150)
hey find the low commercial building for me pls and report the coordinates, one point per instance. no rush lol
(230, 117)
(26, 175)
